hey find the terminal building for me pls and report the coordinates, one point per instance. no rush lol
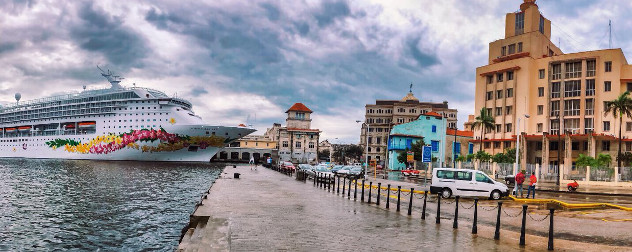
(559, 98)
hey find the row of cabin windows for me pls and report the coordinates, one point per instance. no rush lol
(382, 111)
(298, 144)
(379, 120)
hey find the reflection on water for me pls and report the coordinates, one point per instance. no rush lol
(91, 205)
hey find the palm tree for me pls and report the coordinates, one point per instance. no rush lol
(483, 121)
(618, 107)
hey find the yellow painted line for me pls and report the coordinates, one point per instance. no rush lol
(619, 220)
(571, 205)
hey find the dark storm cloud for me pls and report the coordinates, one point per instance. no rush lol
(272, 12)
(302, 28)
(422, 59)
(97, 31)
(331, 11)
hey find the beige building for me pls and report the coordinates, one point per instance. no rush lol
(384, 114)
(257, 142)
(297, 142)
(528, 75)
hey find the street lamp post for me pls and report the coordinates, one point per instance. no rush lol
(366, 156)
(454, 146)
(518, 144)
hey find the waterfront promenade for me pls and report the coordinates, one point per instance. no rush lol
(266, 210)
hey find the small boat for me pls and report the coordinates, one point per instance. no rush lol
(9, 130)
(24, 128)
(87, 124)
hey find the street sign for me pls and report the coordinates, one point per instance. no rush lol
(410, 157)
(427, 154)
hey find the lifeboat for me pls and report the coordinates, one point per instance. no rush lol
(24, 128)
(87, 124)
(69, 126)
(9, 130)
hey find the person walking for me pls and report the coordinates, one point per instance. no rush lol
(252, 163)
(519, 181)
(532, 183)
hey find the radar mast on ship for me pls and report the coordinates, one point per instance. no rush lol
(115, 80)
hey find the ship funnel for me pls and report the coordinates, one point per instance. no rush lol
(18, 96)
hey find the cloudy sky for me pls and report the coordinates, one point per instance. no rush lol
(241, 60)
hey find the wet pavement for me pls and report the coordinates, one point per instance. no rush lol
(266, 210)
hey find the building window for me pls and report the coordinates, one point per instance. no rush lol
(510, 75)
(370, 140)
(378, 140)
(508, 110)
(499, 111)
(606, 125)
(607, 86)
(488, 145)
(572, 88)
(499, 94)
(555, 108)
(588, 125)
(575, 146)
(490, 79)
(538, 146)
(300, 115)
(590, 68)
(498, 128)
(519, 46)
(628, 126)
(557, 72)
(608, 66)
(629, 86)
(540, 109)
(400, 120)
(519, 23)
(489, 111)
(555, 90)
(605, 145)
(555, 127)
(285, 144)
(435, 145)
(509, 92)
(512, 49)
(508, 127)
(499, 77)
(503, 51)
(298, 144)
(311, 145)
(496, 145)
(539, 127)
(434, 128)
(541, 24)
(590, 106)
(571, 125)
(541, 73)
(553, 145)
(590, 87)
(490, 95)
(540, 91)
(573, 70)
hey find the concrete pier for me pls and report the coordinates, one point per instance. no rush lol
(265, 210)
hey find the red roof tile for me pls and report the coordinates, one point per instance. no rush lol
(432, 113)
(299, 107)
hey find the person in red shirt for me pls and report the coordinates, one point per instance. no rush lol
(519, 182)
(532, 183)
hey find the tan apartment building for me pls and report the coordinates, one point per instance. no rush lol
(256, 142)
(528, 75)
(384, 114)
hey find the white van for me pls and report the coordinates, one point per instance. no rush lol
(465, 182)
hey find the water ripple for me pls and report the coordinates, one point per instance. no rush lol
(97, 205)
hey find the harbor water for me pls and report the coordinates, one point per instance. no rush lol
(98, 205)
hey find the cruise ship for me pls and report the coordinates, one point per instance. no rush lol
(116, 123)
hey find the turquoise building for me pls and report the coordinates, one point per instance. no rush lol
(431, 127)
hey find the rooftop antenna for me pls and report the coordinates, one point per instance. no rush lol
(115, 80)
(609, 33)
(411, 88)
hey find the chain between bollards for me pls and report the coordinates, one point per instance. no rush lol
(474, 227)
(456, 213)
(388, 195)
(410, 202)
(423, 211)
(524, 223)
(497, 232)
(399, 192)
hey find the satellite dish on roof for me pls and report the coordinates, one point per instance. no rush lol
(18, 96)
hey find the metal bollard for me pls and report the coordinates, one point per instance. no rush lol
(355, 189)
(344, 181)
(423, 211)
(456, 212)
(524, 223)
(410, 202)
(388, 195)
(362, 196)
(379, 187)
(314, 179)
(338, 189)
(497, 232)
(399, 192)
(552, 211)
(328, 182)
(370, 188)
(438, 209)
(474, 227)
(349, 190)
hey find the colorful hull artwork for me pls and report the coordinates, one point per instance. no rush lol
(139, 140)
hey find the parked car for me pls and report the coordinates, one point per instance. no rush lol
(510, 179)
(356, 172)
(287, 165)
(304, 167)
(336, 168)
(411, 172)
(465, 182)
(319, 170)
(344, 170)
